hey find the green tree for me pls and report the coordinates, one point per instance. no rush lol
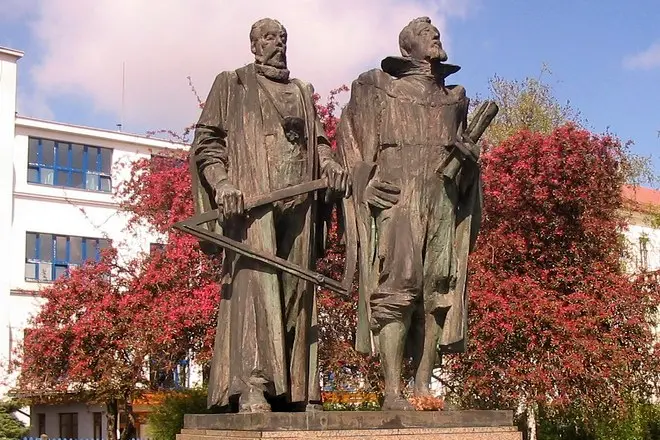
(10, 427)
(167, 419)
(528, 104)
(531, 104)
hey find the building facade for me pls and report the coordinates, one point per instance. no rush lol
(57, 210)
(642, 211)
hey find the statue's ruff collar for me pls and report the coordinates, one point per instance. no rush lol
(405, 66)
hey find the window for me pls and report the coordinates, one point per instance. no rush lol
(644, 252)
(98, 423)
(49, 256)
(69, 165)
(160, 377)
(41, 423)
(68, 425)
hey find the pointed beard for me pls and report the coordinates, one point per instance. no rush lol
(438, 54)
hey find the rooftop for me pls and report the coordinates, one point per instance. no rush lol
(11, 52)
(114, 135)
(640, 197)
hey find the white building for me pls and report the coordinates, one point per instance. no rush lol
(642, 206)
(56, 210)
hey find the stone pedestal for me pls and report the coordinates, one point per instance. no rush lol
(362, 425)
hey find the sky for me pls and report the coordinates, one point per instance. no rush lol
(604, 56)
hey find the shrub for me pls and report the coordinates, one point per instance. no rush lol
(166, 421)
(351, 401)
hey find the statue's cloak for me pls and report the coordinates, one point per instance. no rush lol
(359, 140)
(252, 326)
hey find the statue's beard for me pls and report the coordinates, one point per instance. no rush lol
(437, 54)
(275, 58)
(272, 65)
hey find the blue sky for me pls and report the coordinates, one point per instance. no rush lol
(595, 51)
(586, 45)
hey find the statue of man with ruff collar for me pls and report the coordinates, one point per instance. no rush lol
(417, 204)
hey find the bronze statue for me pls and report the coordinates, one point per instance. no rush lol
(417, 204)
(259, 136)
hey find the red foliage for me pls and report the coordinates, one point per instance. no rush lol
(553, 317)
(101, 327)
(328, 112)
(158, 192)
(427, 403)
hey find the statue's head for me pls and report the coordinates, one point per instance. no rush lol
(268, 43)
(420, 40)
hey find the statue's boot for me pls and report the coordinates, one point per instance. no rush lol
(392, 339)
(253, 399)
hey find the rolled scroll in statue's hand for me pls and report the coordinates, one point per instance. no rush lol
(468, 150)
(481, 120)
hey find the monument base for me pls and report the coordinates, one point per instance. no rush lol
(363, 425)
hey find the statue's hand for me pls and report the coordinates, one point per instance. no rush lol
(229, 199)
(338, 178)
(381, 195)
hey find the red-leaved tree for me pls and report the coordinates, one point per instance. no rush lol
(555, 323)
(105, 328)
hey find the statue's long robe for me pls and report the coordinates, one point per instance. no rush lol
(413, 256)
(262, 331)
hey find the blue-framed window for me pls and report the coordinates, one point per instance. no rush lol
(171, 377)
(69, 165)
(49, 256)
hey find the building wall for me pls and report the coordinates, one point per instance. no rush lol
(62, 211)
(8, 59)
(29, 207)
(52, 416)
(643, 243)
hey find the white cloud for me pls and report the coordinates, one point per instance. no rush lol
(84, 44)
(33, 105)
(645, 60)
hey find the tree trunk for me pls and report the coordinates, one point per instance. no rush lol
(530, 421)
(111, 419)
(129, 431)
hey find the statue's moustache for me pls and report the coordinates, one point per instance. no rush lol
(274, 56)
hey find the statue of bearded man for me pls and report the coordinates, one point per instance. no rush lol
(259, 132)
(417, 220)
